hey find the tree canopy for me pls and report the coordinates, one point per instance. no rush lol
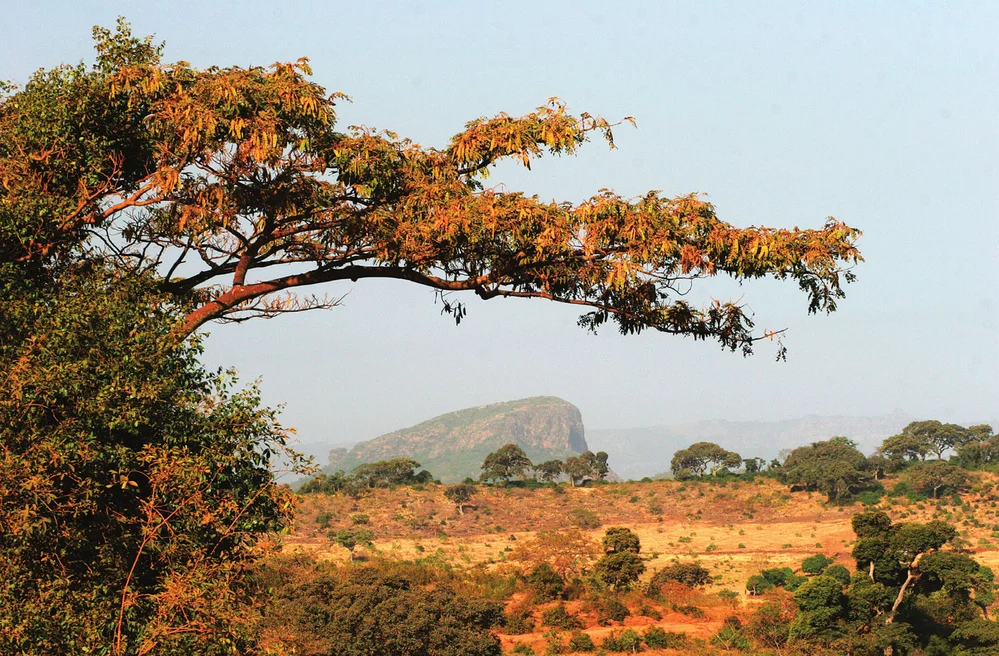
(234, 187)
(505, 463)
(698, 457)
(834, 467)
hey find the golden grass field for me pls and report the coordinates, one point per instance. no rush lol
(735, 528)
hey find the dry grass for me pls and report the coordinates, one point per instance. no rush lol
(735, 530)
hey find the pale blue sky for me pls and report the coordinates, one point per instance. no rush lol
(885, 115)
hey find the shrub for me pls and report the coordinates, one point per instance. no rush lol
(545, 583)
(657, 638)
(582, 642)
(611, 610)
(628, 640)
(523, 649)
(816, 564)
(648, 611)
(757, 585)
(692, 575)
(323, 519)
(360, 518)
(839, 573)
(559, 617)
(519, 622)
(584, 518)
(731, 636)
(689, 610)
(554, 643)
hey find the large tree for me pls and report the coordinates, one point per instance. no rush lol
(834, 467)
(698, 457)
(233, 187)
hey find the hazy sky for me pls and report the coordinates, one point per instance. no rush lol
(783, 113)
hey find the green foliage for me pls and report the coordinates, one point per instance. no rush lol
(368, 611)
(698, 457)
(581, 642)
(624, 641)
(621, 540)
(545, 582)
(505, 463)
(557, 616)
(360, 518)
(834, 467)
(658, 638)
(550, 470)
(611, 609)
(839, 573)
(584, 518)
(389, 473)
(518, 622)
(692, 575)
(816, 564)
(936, 477)
(585, 466)
(135, 484)
(757, 584)
(619, 570)
(460, 495)
(350, 539)
(731, 635)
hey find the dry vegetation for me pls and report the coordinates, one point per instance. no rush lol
(735, 528)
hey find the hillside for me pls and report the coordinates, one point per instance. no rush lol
(453, 446)
(638, 452)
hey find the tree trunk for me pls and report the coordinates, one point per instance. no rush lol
(871, 572)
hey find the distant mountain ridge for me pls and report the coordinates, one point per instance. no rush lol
(453, 446)
(638, 452)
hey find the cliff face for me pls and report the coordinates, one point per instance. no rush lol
(453, 446)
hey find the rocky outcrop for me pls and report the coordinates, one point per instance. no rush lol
(453, 446)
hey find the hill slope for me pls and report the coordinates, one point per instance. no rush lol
(453, 446)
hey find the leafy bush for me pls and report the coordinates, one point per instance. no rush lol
(731, 636)
(757, 585)
(648, 611)
(545, 582)
(323, 519)
(519, 622)
(611, 610)
(839, 573)
(523, 649)
(816, 564)
(658, 638)
(689, 610)
(584, 518)
(360, 518)
(559, 617)
(581, 642)
(692, 575)
(628, 640)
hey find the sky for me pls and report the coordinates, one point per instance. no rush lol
(882, 114)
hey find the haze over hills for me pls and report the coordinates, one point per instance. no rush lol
(453, 446)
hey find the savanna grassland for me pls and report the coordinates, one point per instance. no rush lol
(734, 528)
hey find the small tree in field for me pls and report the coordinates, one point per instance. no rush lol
(460, 495)
(505, 463)
(350, 539)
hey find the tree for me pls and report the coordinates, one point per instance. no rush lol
(621, 540)
(362, 611)
(136, 485)
(545, 582)
(816, 564)
(905, 447)
(460, 495)
(834, 467)
(351, 538)
(209, 180)
(619, 570)
(550, 470)
(938, 437)
(505, 463)
(587, 465)
(699, 456)
(692, 575)
(569, 553)
(389, 473)
(753, 465)
(936, 476)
